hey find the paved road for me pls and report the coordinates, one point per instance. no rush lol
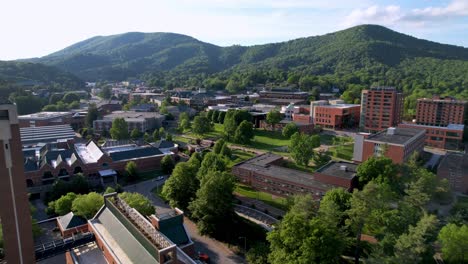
(217, 251)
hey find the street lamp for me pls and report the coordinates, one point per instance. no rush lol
(245, 243)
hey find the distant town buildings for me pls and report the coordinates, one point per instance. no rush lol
(143, 121)
(265, 173)
(397, 144)
(381, 108)
(51, 119)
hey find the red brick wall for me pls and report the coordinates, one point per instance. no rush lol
(330, 179)
(69, 232)
(304, 119)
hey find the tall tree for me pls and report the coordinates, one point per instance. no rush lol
(302, 147)
(87, 205)
(201, 125)
(70, 97)
(91, 115)
(218, 146)
(244, 133)
(181, 187)
(106, 92)
(167, 164)
(213, 207)
(119, 129)
(135, 134)
(454, 241)
(273, 117)
(290, 129)
(64, 204)
(131, 171)
(379, 169)
(211, 162)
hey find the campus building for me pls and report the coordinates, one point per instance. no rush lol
(441, 111)
(46, 164)
(143, 121)
(397, 144)
(51, 119)
(444, 137)
(283, 96)
(454, 168)
(381, 108)
(15, 212)
(337, 116)
(265, 173)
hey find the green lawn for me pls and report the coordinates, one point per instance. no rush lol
(278, 202)
(269, 140)
(215, 134)
(343, 152)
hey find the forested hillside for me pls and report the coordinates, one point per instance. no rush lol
(350, 59)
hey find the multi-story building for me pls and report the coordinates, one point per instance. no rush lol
(337, 116)
(444, 137)
(14, 213)
(454, 168)
(143, 121)
(283, 97)
(264, 173)
(51, 119)
(441, 111)
(397, 144)
(381, 108)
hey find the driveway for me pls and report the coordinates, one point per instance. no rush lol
(218, 252)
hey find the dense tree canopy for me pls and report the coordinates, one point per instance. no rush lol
(142, 204)
(119, 129)
(87, 205)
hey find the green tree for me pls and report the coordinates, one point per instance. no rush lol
(413, 245)
(379, 169)
(454, 241)
(302, 237)
(135, 134)
(167, 164)
(244, 133)
(109, 190)
(70, 97)
(181, 187)
(218, 146)
(213, 207)
(55, 98)
(334, 205)
(211, 162)
(91, 115)
(64, 204)
(226, 151)
(321, 158)
(131, 171)
(273, 117)
(209, 114)
(221, 117)
(302, 147)
(119, 129)
(258, 254)
(142, 204)
(233, 86)
(28, 104)
(147, 137)
(106, 92)
(290, 129)
(201, 125)
(156, 136)
(215, 117)
(87, 205)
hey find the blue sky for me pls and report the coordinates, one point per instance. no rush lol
(31, 28)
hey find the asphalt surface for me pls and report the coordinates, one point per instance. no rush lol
(218, 252)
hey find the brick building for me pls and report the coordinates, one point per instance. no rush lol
(444, 137)
(381, 108)
(264, 173)
(337, 116)
(99, 164)
(441, 111)
(143, 121)
(397, 144)
(454, 168)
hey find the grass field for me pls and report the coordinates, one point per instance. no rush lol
(269, 140)
(343, 152)
(143, 176)
(279, 202)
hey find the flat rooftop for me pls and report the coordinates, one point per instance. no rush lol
(449, 127)
(44, 115)
(400, 136)
(89, 253)
(261, 164)
(131, 115)
(46, 133)
(340, 106)
(342, 169)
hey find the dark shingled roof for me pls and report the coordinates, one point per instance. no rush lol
(135, 153)
(71, 220)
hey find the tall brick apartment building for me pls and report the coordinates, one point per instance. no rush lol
(443, 119)
(441, 111)
(381, 108)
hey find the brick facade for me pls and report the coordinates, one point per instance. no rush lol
(381, 108)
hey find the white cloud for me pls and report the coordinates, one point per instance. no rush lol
(394, 15)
